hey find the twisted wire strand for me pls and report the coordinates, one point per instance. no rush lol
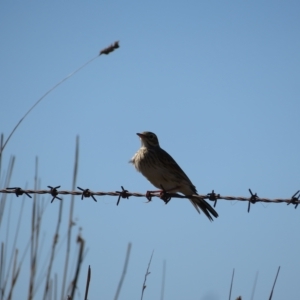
(127, 194)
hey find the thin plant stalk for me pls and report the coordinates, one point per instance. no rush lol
(254, 286)
(231, 284)
(162, 293)
(6, 184)
(54, 244)
(123, 273)
(271, 295)
(106, 51)
(13, 245)
(69, 237)
(146, 275)
(81, 243)
(15, 274)
(40, 99)
(87, 286)
(35, 226)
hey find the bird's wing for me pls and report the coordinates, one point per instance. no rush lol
(177, 172)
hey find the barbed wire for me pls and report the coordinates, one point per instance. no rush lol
(163, 195)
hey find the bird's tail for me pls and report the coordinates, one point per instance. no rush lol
(204, 206)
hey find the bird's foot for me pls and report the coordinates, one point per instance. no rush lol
(163, 195)
(149, 195)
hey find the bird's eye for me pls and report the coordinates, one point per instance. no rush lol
(151, 136)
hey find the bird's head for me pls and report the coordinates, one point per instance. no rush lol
(148, 139)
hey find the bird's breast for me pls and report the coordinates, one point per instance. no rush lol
(146, 162)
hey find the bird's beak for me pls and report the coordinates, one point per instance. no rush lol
(141, 135)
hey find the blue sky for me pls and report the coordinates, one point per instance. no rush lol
(218, 82)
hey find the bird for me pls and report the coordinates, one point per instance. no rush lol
(163, 172)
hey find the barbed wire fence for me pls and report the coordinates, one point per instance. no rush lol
(163, 195)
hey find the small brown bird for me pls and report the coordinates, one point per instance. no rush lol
(163, 171)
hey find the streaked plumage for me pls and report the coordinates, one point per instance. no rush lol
(162, 170)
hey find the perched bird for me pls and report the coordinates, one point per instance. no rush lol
(163, 172)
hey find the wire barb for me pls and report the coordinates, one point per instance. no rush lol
(253, 199)
(123, 194)
(295, 199)
(213, 197)
(54, 192)
(18, 191)
(110, 48)
(86, 193)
